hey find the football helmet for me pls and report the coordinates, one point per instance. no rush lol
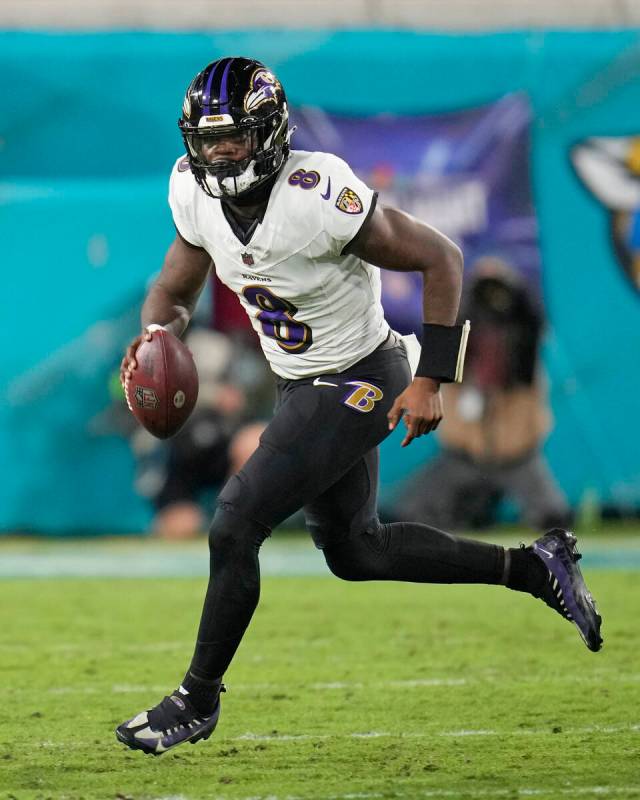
(235, 126)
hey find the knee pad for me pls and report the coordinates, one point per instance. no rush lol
(357, 557)
(231, 534)
(324, 534)
(341, 562)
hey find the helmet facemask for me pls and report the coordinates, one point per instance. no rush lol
(216, 154)
(223, 159)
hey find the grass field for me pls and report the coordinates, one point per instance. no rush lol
(338, 691)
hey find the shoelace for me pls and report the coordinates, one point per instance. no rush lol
(175, 717)
(574, 555)
(570, 554)
(172, 716)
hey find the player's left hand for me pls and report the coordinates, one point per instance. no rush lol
(421, 406)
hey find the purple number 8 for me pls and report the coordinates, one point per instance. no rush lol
(303, 179)
(276, 318)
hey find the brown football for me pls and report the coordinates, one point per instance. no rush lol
(163, 388)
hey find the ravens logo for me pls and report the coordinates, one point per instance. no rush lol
(610, 168)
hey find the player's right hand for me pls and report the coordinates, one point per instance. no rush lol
(129, 362)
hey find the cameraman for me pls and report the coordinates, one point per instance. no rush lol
(497, 420)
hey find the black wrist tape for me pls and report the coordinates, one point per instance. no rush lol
(443, 349)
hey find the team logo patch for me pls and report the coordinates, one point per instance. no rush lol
(184, 166)
(264, 89)
(349, 202)
(146, 398)
(363, 397)
(609, 166)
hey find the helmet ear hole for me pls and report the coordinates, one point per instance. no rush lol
(237, 94)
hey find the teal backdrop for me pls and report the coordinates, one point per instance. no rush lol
(87, 140)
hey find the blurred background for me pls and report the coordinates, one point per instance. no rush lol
(513, 128)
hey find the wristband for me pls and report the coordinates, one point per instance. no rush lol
(442, 354)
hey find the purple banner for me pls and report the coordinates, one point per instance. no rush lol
(466, 173)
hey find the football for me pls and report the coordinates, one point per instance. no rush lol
(163, 388)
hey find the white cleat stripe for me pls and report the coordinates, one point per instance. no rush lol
(140, 719)
(148, 736)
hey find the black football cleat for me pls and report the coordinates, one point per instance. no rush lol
(566, 591)
(172, 722)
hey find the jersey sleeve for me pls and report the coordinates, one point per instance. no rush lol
(181, 185)
(349, 204)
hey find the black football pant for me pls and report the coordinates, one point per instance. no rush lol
(320, 453)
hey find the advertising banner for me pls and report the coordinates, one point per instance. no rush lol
(466, 173)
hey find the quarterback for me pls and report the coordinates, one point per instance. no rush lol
(300, 240)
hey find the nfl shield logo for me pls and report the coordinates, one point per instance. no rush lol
(247, 259)
(146, 398)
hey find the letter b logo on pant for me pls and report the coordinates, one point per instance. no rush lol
(364, 397)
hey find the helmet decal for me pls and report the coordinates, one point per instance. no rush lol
(186, 106)
(224, 88)
(264, 89)
(215, 120)
(206, 94)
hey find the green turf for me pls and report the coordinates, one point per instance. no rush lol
(338, 691)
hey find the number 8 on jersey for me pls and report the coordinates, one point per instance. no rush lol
(276, 317)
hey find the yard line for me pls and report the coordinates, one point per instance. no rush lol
(601, 729)
(172, 797)
(634, 728)
(284, 737)
(415, 683)
(125, 688)
(304, 737)
(81, 647)
(418, 682)
(338, 685)
(464, 794)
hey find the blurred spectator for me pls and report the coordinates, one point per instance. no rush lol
(200, 458)
(181, 474)
(496, 421)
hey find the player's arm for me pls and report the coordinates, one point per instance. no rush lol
(394, 240)
(172, 298)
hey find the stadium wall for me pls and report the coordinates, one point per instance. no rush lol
(87, 140)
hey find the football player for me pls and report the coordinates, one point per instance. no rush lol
(300, 239)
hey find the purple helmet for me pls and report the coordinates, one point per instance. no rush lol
(235, 126)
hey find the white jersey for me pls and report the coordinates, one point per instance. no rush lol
(316, 311)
